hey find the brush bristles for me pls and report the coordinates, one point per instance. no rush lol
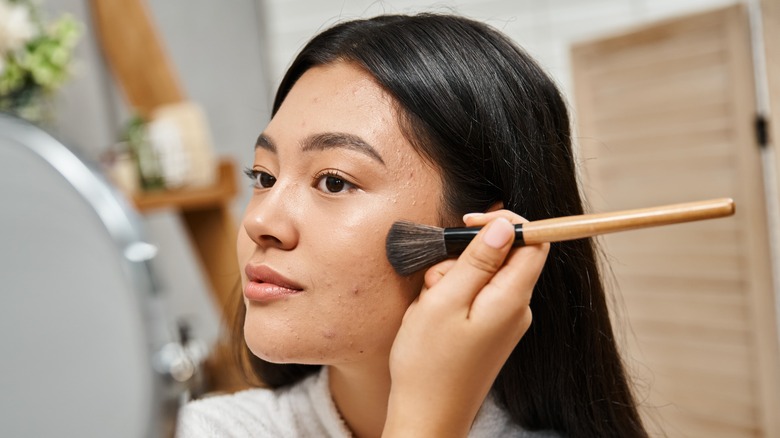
(412, 247)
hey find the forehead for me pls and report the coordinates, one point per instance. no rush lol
(342, 97)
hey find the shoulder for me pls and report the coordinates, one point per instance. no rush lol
(493, 421)
(230, 415)
(305, 409)
(290, 411)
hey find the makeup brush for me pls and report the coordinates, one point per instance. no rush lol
(412, 247)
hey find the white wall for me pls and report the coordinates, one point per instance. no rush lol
(545, 28)
(230, 55)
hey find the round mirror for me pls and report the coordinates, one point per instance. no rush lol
(80, 321)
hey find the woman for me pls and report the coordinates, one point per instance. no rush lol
(423, 118)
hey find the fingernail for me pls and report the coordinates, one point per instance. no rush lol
(499, 233)
(471, 215)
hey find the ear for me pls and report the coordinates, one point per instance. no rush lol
(498, 205)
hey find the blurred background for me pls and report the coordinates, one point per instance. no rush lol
(671, 103)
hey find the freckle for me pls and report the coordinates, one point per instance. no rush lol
(361, 351)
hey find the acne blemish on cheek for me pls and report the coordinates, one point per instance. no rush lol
(329, 334)
(355, 290)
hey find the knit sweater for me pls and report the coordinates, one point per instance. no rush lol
(304, 410)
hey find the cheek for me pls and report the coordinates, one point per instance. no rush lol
(369, 315)
(244, 249)
(363, 300)
(351, 247)
(355, 271)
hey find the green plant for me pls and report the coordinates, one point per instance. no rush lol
(35, 58)
(136, 138)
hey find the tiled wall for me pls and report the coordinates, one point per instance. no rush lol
(545, 28)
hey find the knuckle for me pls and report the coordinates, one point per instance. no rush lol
(437, 272)
(519, 307)
(519, 318)
(526, 321)
(485, 218)
(432, 276)
(515, 218)
(511, 216)
(484, 260)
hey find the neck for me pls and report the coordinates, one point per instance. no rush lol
(360, 392)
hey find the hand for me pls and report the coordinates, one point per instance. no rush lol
(457, 334)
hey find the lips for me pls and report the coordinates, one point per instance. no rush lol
(265, 285)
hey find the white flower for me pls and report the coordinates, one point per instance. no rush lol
(16, 27)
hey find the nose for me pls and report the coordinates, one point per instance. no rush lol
(269, 219)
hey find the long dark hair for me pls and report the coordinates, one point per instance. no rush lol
(483, 112)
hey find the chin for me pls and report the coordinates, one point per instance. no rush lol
(311, 352)
(286, 351)
(276, 355)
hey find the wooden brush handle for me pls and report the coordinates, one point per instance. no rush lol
(588, 225)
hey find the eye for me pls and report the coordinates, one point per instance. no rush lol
(260, 179)
(332, 182)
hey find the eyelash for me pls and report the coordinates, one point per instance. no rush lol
(333, 173)
(318, 178)
(254, 175)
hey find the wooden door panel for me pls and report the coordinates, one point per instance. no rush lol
(665, 114)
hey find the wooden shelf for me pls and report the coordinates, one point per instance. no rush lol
(206, 215)
(132, 47)
(223, 191)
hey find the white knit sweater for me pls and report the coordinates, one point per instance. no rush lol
(303, 410)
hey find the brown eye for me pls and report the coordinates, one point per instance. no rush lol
(333, 183)
(265, 180)
(260, 179)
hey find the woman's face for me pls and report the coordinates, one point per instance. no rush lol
(332, 172)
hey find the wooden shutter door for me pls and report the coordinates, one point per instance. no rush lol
(666, 114)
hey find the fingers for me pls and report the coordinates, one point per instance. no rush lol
(493, 286)
(437, 271)
(508, 294)
(476, 266)
(480, 219)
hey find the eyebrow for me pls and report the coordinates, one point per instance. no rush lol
(325, 141)
(263, 142)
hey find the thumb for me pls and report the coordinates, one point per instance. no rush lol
(479, 262)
